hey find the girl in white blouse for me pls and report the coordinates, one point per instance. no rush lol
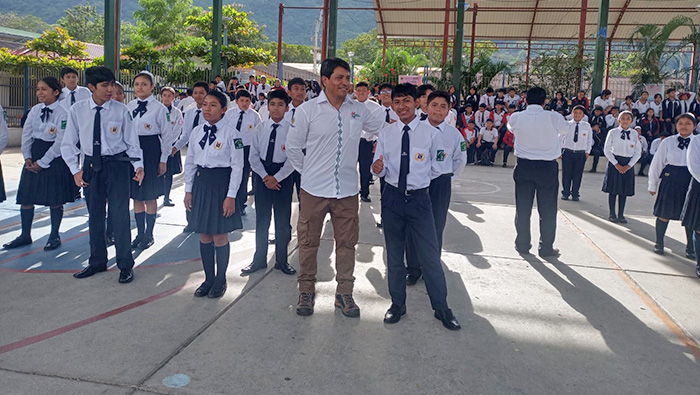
(623, 150)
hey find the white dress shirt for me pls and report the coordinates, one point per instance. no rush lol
(611, 121)
(488, 100)
(488, 135)
(642, 107)
(258, 148)
(186, 103)
(332, 140)
(423, 148)
(176, 122)
(452, 118)
(537, 133)
(693, 157)
(263, 88)
(585, 137)
(225, 151)
(189, 122)
(655, 145)
(154, 122)
(603, 103)
(615, 145)
(4, 131)
(264, 112)
(371, 106)
(667, 154)
(117, 133)
(471, 134)
(390, 111)
(625, 107)
(251, 119)
(451, 156)
(512, 100)
(51, 130)
(80, 92)
(498, 118)
(480, 118)
(656, 107)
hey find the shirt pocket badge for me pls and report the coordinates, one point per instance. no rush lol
(238, 143)
(218, 145)
(419, 156)
(250, 126)
(52, 130)
(148, 126)
(440, 157)
(114, 129)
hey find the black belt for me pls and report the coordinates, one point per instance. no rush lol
(575, 151)
(415, 192)
(121, 157)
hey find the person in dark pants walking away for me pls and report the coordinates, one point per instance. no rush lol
(537, 145)
(576, 146)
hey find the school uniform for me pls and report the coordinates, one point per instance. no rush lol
(289, 116)
(4, 138)
(471, 150)
(561, 107)
(501, 100)
(670, 109)
(480, 118)
(451, 118)
(642, 107)
(449, 162)
(691, 209)
(389, 115)
(186, 103)
(537, 145)
(580, 102)
(602, 103)
(109, 143)
(626, 107)
(156, 137)
(611, 121)
(507, 146)
(175, 161)
(657, 108)
(669, 175)
(268, 158)
(576, 145)
(367, 141)
(686, 105)
(473, 100)
(409, 153)
(486, 152)
(489, 101)
(264, 88)
(623, 147)
(70, 97)
(244, 122)
(511, 100)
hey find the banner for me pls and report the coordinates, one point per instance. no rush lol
(411, 79)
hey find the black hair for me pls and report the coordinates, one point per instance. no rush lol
(511, 89)
(200, 84)
(512, 106)
(647, 111)
(362, 83)
(628, 97)
(474, 88)
(403, 90)
(435, 94)
(657, 95)
(234, 78)
(559, 93)
(190, 90)
(489, 90)
(96, 74)
(473, 122)
(296, 81)
(279, 94)
(536, 95)
(605, 92)
(264, 96)
(53, 83)
(212, 82)
(243, 93)
(581, 91)
(665, 133)
(578, 107)
(218, 75)
(669, 90)
(687, 115)
(182, 94)
(643, 92)
(68, 70)
(330, 64)
(482, 105)
(598, 108)
(385, 85)
(502, 90)
(615, 108)
(423, 89)
(220, 97)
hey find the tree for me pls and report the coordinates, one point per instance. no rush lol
(365, 46)
(398, 62)
(56, 43)
(291, 53)
(140, 54)
(162, 21)
(83, 23)
(559, 70)
(28, 23)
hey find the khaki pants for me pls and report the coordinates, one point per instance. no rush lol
(346, 229)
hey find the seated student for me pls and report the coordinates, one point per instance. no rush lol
(656, 105)
(611, 119)
(110, 146)
(522, 105)
(646, 157)
(559, 104)
(471, 136)
(598, 118)
(213, 171)
(405, 156)
(497, 116)
(670, 109)
(604, 101)
(472, 98)
(488, 99)
(273, 185)
(465, 116)
(623, 149)
(481, 116)
(512, 98)
(651, 127)
(598, 145)
(487, 144)
(643, 104)
(669, 176)
(580, 100)
(508, 147)
(500, 97)
(627, 105)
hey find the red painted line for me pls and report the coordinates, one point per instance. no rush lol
(59, 331)
(44, 271)
(34, 251)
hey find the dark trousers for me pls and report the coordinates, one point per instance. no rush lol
(507, 149)
(471, 153)
(268, 201)
(572, 164)
(440, 191)
(644, 161)
(296, 180)
(111, 182)
(486, 153)
(536, 178)
(242, 195)
(403, 215)
(365, 162)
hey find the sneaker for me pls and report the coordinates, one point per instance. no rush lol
(306, 303)
(347, 305)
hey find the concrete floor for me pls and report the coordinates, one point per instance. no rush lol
(607, 317)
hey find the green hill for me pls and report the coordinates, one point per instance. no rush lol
(298, 24)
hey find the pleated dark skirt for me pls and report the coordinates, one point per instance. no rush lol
(691, 209)
(49, 187)
(175, 164)
(208, 193)
(616, 183)
(152, 186)
(673, 188)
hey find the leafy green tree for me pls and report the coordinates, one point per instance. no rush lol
(162, 21)
(559, 70)
(365, 46)
(81, 22)
(139, 54)
(29, 23)
(56, 43)
(397, 62)
(291, 53)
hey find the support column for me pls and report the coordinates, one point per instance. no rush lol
(601, 35)
(696, 72)
(607, 64)
(332, 27)
(280, 66)
(473, 39)
(216, 38)
(581, 38)
(324, 36)
(445, 32)
(459, 46)
(527, 64)
(112, 26)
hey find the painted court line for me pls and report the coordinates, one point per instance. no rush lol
(113, 268)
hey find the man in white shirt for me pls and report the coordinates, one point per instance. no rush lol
(576, 146)
(537, 146)
(329, 128)
(72, 92)
(367, 141)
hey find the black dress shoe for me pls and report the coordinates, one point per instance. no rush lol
(203, 290)
(366, 199)
(110, 240)
(146, 243)
(89, 271)
(622, 220)
(658, 249)
(187, 229)
(52, 244)
(393, 315)
(549, 253)
(253, 267)
(612, 219)
(690, 255)
(522, 250)
(575, 199)
(592, 171)
(448, 319)
(564, 197)
(217, 292)
(18, 242)
(126, 276)
(412, 279)
(285, 268)
(137, 240)
(250, 193)
(168, 203)
(380, 225)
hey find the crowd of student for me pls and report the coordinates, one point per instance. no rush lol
(299, 135)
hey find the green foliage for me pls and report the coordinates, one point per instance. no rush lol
(559, 70)
(162, 21)
(241, 29)
(29, 23)
(57, 43)
(397, 62)
(481, 73)
(291, 53)
(365, 46)
(84, 23)
(139, 54)
(45, 65)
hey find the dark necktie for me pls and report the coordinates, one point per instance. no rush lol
(625, 135)
(683, 143)
(45, 112)
(576, 133)
(196, 119)
(72, 98)
(240, 121)
(405, 150)
(423, 117)
(294, 111)
(170, 108)
(97, 140)
(209, 134)
(141, 109)
(271, 144)
(387, 119)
